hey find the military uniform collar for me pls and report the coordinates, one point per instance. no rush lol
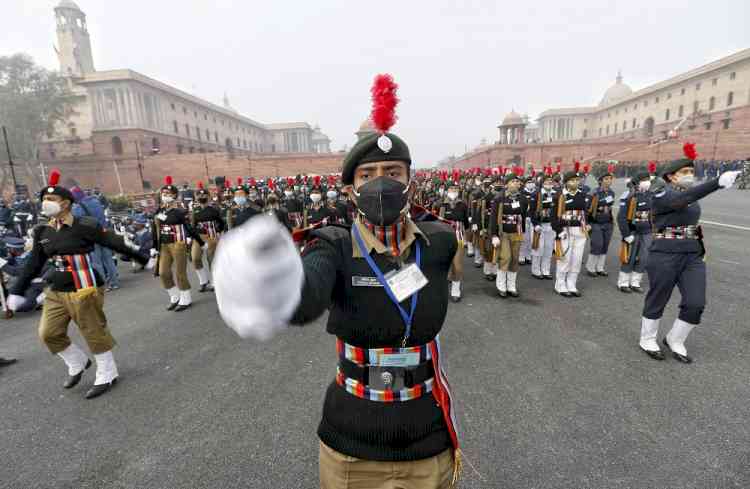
(372, 243)
(66, 221)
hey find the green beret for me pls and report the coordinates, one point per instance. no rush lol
(510, 177)
(676, 166)
(368, 150)
(571, 175)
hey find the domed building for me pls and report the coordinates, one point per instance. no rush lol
(512, 128)
(367, 127)
(616, 92)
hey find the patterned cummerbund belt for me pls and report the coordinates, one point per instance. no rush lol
(385, 374)
(79, 266)
(679, 232)
(642, 216)
(208, 228)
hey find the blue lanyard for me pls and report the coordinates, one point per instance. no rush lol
(384, 283)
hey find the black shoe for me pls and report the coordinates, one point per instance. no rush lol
(469, 254)
(575, 293)
(205, 287)
(100, 389)
(624, 289)
(181, 307)
(7, 361)
(538, 277)
(455, 299)
(547, 277)
(478, 265)
(513, 294)
(591, 274)
(565, 294)
(172, 306)
(677, 356)
(656, 355)
(636, 288)
(603, 274)
(489, 278)
(502, 294)
(73, 380)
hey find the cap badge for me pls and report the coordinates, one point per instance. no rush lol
(385, 144)
(50, 190)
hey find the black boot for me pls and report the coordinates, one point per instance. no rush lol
(172, 306)
(100, 389)
(73, 380)
(7, 361)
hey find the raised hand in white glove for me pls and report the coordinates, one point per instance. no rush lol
(726, 180)
(629, 239)
(475, 227)
(154, 253)
(258, 277)
(15, 302)
(538, 229)
(495, 241)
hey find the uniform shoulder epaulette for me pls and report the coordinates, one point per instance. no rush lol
(332, 232)
(659, 188)
(434, 227)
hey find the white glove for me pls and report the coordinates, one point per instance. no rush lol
(470, 219)
(151, 263)
(258, 277)
(538, 229)
(475, 227)
(15, 301)
(562, 235)
(204, 247)
(495, 241)
(154, 253)
(726, 180)
(629, 239)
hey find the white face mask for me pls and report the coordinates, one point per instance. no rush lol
(530, 187)
(167, 199)
(288, 193)
(686, 180)
(50, 208)
(315, 197)
(452, 195)
(441, 191)
(331, 195)
(644, 186)
(477, 182)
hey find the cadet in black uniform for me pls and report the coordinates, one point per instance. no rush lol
(292, 204)
(242, 208)
(387, 418)
(209, 224)
(507, 228)
(316, 213)
(634, 222)
(543, 239)
(529, 191)
(676, 255)
(75, 288)
(600, 217)
(569, 222)
(456, 213)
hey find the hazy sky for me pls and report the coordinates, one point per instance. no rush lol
(461, 66)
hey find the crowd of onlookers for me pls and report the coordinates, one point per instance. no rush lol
(703, 168)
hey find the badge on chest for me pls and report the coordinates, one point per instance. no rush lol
(406, 282)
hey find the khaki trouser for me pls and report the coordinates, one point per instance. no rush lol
(509, 251)
(88, 314)
(196, 251)
(173, 253)
(456, 272)
(488, 251)
(339, 471)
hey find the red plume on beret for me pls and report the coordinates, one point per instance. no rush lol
(227, 183)
(610, 168)
(586, 168)
(689, 150)
(316, 181)
(533, 172)
(239, 181)
(652, 167)
(559, 167)
(168, 180)
(54, 178)
(290, 181)
(384, 102)
(252, 182)
(271, 184)
(200, 185)
(456, 175)
(577, 166)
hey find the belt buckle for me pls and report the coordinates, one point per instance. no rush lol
(386, 378)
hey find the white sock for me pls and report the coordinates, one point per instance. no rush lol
(455, 289)
(174, 294)
(591, 263)
(40, 299)
(185, 299)
(561, 284)
(635, 279)
(202, 276)
(74, 358)
(512, 281)
(649, 330)
(600, 264)
(570, 280)
(470, 248)
(623, 279)
(677, 336)
(501, 282)
(106, 369)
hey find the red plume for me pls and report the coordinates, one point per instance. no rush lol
(456, 175)
(384, 101)
(54, 177)
(559, 168)
(610, 168)
(533, 172)
(252, 182)
(227, 183)
(168, 180)
(200, 185)
(290, 181)
(239, 181)
(271, 184)
(316, 181)
(652, 167)
(577, 166)
(586, 168)
(689, 150)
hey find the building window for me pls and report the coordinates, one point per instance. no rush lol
(184, 110)
(176, 127)
(205, 117)
(73, 132)
(732, 76)
(195, 114)
(697, 86)
(708, 126)
(155, 145)
(179, 149)
(696, 106)
(216, 136)
(585, 133)
(680, 111)
(682, 92)
(711, 103)
(607, 129)
(191, 150)
(173, 107)
(238, 141)
(116, 145)
(198, 132)
(214, 120)
(222, 122)
(187, 130)
(633, 123)
(657, 100)
(730, 99)
(669, 95)
(208, 135)
(725, 122)
(714, 82)
(666, 115)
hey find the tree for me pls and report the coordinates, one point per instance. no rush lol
(32, 100)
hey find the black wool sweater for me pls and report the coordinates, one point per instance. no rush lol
(366, 317)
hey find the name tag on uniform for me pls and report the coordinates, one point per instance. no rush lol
(609, 199)
(396, 359)
(358, 281)
(515, 204)
(406, 282)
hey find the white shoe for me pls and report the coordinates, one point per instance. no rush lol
(456, 291)
(623, 280)
(487, 269)
(512, 283)
(469, 249)
(501, 282)
(185, 299)
(635, 279)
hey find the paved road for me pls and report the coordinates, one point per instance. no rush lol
(553, 393)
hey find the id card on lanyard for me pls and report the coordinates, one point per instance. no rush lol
(400, 284)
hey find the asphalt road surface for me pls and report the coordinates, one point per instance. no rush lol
(552, 392)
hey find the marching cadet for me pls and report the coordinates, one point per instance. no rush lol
(387, 417)
(677, 254)
(543, 239)
(456, 213)
(486, 210)
(507, 229)
(316, 213)
(601, 220)
(227, 194)
(253, 195)
(634, 222)
(529, 192)
(242, 209)
(171, 229)
(571, 228)
(337, 211)
(209, 224)
(472, 196)
(75, 288)
(143, 238)
(275, 209)
(292, 204)
(478, 197)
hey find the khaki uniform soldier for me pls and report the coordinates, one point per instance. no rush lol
(74, 287)
(171, 230)
(507, 229)
(209, 224)
(456, 213)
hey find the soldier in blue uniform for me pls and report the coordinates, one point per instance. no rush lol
(677, 255)
(634, 222)
(602, 200)
(14, 265)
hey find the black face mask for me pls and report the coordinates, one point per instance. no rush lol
(203, 201)
(381, 200)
